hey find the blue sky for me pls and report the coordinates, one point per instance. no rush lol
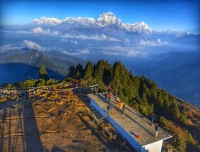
(179, 15)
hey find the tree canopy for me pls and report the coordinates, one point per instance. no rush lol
(43, 73)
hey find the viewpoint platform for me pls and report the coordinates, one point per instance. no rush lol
(133, 126)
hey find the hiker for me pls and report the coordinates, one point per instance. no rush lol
(156, 129)
(117, 100)
(109, 88)
(105, 95)
(152, 117)
(108, 96)
(95, 90)
(122, 107)
(115, 94)
(108, 108)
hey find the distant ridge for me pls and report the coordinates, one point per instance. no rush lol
(29, 61)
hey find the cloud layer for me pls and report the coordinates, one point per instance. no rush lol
(32, 45)
(153, 43)
(9, 47)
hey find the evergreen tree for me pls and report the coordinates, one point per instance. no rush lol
(89, 69)
(43, 73)
(79, 71)
(179, 143)
(71, 72)
(99, 70)
(173, 108)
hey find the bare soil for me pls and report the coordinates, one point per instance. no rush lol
(56, 124)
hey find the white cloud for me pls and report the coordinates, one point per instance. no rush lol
(32, 45)
(9, 47)
(40, 31)
(101, 37)
(37, 30)
(71, 41)
(153, 43)
(118, 50)
(77, 52)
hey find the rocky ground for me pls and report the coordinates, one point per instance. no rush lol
(56, 123)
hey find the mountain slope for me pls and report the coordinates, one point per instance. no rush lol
(18, 63)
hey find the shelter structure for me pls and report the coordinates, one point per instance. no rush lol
(133, 126)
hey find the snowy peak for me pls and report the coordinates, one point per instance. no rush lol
(80, 20)
(139, 27)
(142, 25)
(108, 18)
(105, 19)
(47, 21)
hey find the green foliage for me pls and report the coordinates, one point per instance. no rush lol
(89, 69)
(162, 121)
(18, 84)
(143, 108)
(40, 82)
(177, 141)
(29, 83)
(71, 72)
(7, 85)
(43, 73)
(51, 82)
(190, 138)
(79, 71)
(173, 108)
(183, 116)
(140, 92)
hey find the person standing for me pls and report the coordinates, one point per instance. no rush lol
(122, 107)
(117, 100)
(108, 96)
(105, 95)
(95, 90)
(152, 118)
(156, 129)
(108, 108)
(109, 88)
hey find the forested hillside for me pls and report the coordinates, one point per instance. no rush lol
(179, 117)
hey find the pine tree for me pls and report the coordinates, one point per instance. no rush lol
(173, 108)
(71, 72)
(79, 71)
(43, 73)
(89, 69)
(179, 143)
(99, 70)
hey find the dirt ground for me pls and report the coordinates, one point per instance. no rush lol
(56, 124)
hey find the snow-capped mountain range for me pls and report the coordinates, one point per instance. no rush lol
(106, 27)
(104, 20)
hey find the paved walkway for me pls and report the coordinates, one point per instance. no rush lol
(133, 122)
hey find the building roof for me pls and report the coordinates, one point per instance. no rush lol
(132, 122)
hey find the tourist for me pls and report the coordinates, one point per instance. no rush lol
(156, 129)
(109, 88)
(122, 107)
(108, 108)
(117, 100)
(108, 96)
(95, 90)
(152, 118)
(105, 95)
